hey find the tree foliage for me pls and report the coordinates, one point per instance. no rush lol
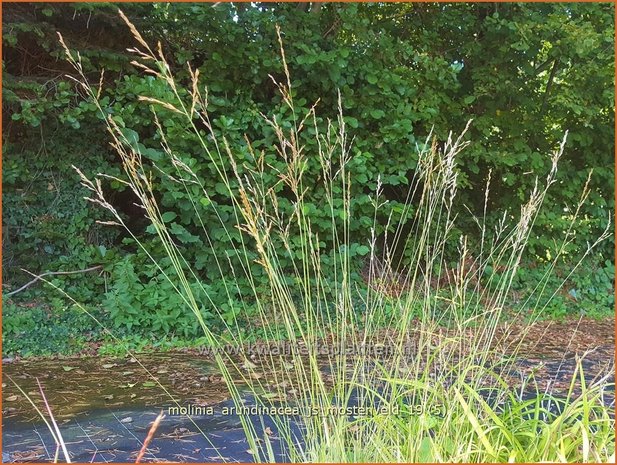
(524, 72)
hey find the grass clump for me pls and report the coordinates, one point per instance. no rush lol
(418, 343)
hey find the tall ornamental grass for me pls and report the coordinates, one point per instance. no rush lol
(427, 355)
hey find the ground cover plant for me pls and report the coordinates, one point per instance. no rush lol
(295, 275)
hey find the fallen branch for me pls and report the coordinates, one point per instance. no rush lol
(50, 273)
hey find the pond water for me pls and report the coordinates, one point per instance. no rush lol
(106, 435)
(104, 406)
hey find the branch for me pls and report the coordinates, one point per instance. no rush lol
(49, 273)
(549, 85)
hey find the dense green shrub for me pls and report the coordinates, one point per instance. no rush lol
(524, 72)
